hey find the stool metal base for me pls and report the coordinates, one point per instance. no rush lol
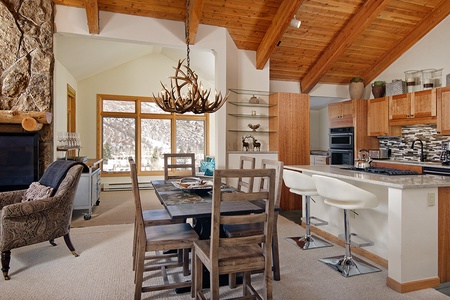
(349, 266)
(309, 242)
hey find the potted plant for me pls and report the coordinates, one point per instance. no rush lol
(356, 88)
(379, 89)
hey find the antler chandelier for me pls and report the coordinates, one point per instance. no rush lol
(186, 93)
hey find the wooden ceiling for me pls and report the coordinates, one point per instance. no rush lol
(337, 40)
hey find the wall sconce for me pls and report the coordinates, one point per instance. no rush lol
(295, 23)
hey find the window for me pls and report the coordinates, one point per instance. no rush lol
(137, 127)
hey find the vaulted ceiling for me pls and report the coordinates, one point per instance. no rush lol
(337, 39)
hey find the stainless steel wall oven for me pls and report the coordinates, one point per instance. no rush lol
(341, 146)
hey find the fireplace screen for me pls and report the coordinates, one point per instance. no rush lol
(19, 160)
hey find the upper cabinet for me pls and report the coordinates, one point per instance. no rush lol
(413, 108)
(340, 114)
(377, 118)
(352, 113)
(443, 116)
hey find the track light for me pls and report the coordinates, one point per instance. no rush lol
(295, 23)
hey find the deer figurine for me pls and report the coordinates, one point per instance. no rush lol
(256, 145)
(245, 144)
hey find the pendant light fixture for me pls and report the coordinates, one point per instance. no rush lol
(186, 93)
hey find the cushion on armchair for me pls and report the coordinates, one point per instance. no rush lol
(37, 191)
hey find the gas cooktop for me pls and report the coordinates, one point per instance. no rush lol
(383, 171)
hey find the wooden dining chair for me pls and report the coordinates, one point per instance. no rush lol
(240, 230)
(223, 255)
(151, 217)
(154, 239)
(246, 184)
(178, 165)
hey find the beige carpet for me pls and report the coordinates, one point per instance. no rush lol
(103, 270)
(115, 208)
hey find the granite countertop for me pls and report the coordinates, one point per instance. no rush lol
(414, 163)
(394, 181)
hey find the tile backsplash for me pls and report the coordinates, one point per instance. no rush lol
(401, 146)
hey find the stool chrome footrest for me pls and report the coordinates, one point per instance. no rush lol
(349, 266)
(309, 242)
(317, 222)
(365, 242)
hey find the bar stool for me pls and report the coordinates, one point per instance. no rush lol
(346, 196)
(301, 184)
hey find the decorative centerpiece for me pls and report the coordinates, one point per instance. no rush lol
(379, 89)
(254, 126)
(356, 88)
(253, 99)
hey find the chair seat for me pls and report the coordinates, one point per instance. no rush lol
(240, 230)
(167, 234)
(158, 217)
(233, 259)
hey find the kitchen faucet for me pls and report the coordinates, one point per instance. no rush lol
(422, 157)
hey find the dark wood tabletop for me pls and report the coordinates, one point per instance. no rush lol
(195, 204)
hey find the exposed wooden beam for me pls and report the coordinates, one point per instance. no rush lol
(351, 31)
(92, 15)
(280, 23)
(439, 13)
(195, 13)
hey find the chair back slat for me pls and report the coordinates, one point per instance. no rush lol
(178, 165)
(245, 184)
(136, 195)
(239, 241)
(278, 166)
(266, 217)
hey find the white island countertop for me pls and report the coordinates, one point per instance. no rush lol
(409, 227)
(394, 181)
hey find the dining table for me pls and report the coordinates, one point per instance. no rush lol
(196, 203)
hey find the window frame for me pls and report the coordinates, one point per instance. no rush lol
(138, 116)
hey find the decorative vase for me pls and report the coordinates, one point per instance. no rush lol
(378, 91)
(356, 90)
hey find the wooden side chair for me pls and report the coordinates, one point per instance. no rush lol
(155, 239)
(237, 230)
(151, 217)
(223, 255)
(246, 184)
(178, 165)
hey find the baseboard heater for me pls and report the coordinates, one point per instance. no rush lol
(125, 186)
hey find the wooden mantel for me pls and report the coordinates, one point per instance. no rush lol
(30, 120)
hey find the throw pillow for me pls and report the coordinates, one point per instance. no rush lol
(36, 191)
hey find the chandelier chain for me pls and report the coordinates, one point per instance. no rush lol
(188, 41)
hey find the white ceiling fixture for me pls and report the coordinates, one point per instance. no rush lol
(295, 23)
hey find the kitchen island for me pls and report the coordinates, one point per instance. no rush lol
(410, 227)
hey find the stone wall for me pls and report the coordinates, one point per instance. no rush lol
(26, 64)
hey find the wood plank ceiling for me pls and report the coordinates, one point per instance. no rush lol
(337, 40)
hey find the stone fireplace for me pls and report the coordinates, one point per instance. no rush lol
(26, 67)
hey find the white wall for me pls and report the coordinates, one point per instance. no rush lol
(69, 20)
(60, 104)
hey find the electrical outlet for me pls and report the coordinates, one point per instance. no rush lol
(431, 199)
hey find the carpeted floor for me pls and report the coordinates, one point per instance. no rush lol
(115, 208)
(103, 269)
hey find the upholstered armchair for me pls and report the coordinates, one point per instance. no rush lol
(25, 221)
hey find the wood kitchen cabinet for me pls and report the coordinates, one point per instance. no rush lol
(443, 116)
(340, 114)
(354, 114)
(377, 118)
(413, 108)
(290, 136)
